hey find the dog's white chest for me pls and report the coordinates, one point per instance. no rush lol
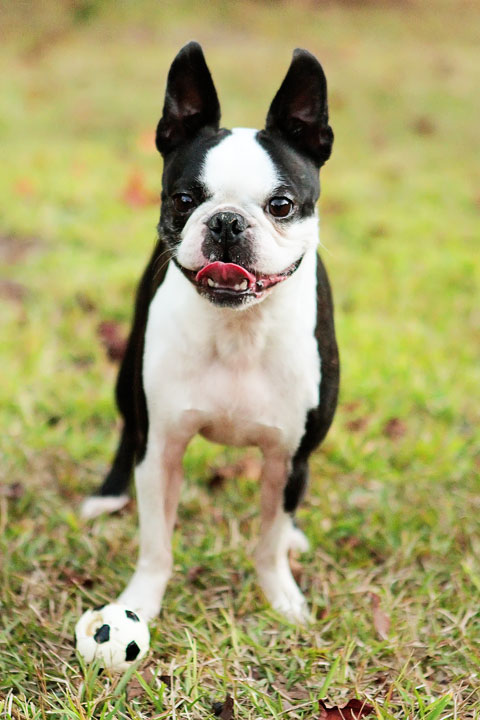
(237, 377)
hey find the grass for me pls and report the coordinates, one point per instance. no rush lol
(392, 511)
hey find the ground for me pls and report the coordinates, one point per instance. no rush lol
(392, 511)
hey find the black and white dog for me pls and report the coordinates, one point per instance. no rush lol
(233, 335)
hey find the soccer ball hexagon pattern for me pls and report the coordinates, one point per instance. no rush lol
(112, 634)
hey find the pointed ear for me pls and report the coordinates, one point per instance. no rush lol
(191, 101)
(299, 110)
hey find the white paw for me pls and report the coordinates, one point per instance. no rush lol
(293, 609)
(283, 593)
(298, 540)
(96, 505)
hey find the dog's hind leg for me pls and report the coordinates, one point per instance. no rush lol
(113, 493)
(130, 395)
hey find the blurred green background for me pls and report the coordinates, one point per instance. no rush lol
(394, 501)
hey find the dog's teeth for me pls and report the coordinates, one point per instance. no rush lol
(210, 282)
(242, 286)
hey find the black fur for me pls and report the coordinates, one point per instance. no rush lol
(130, 394)
(299, 110)
(191, 102)
(319, 419)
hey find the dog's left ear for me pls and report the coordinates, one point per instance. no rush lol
(191, 101)
(299, 110)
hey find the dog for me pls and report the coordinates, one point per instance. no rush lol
(233, 333)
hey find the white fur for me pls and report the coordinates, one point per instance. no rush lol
(240, 378)
(274, 574)
(97, 505)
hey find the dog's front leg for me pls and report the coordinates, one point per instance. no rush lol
(278, 535)
(158, 480)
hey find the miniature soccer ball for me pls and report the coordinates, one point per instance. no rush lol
(112, 634)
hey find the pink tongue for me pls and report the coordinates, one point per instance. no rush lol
(225, 274)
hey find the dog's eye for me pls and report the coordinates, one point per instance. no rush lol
(183, 202)
(280, 207)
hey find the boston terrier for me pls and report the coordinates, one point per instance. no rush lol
(233, 335)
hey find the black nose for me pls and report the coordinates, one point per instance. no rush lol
(226, 228)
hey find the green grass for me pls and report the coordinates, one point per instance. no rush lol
(389, 513)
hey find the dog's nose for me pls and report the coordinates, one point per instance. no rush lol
(226, 228)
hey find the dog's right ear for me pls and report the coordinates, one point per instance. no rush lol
(191, 101)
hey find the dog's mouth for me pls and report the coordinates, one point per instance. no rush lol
(228, 282)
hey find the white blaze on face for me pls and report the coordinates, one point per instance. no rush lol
(239, 171)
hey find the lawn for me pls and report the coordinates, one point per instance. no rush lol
(393, 574)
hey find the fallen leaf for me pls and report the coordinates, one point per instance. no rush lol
(423, 125)
(381, 621)
(395, 428)
(353, 710)
(294, 692)
(224, 710)
(351, 406)
(358, 424)
(136, 194)
(77, 579)
(195, 572)
(113, 340)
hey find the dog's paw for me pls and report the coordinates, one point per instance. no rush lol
(294, 610)
(283, 593)
(298, 540)
(97, 505)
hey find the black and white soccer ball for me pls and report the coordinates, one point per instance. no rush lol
(112, 634)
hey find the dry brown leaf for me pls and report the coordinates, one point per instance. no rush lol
(423, 125)
(381, 621)
(353, 710)
(113, 340)
(351, 406)
(358, 424)
(224, 710)
(195, 572)
(395, 428)
(294, 692)
(77, 578)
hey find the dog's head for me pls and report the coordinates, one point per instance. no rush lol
(239, 207)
